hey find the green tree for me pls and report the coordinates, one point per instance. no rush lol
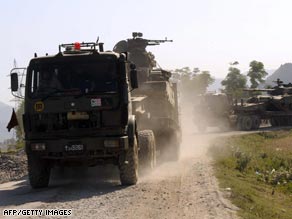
(202, 81)
(234, 81)
(194, 82)
(256, 73)
(185, 75)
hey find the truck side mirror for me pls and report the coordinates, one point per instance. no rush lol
(14, 81)
(134, 79)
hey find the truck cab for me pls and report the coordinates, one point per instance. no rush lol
(78, 110)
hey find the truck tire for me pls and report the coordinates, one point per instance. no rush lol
(239, 123)
(147, 152)
(256, 122)
(39, 171)
(247, 123)
(128, 165)
(274, 122)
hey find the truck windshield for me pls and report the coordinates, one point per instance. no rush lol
(82, 78)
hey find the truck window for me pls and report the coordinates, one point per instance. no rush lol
(87, 78)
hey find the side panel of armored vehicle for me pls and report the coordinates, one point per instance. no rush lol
(161, 103)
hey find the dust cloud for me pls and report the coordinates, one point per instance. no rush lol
(194, 145)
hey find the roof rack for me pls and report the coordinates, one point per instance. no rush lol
(87, 47)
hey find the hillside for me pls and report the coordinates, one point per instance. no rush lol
(5, 113)
(284, 72)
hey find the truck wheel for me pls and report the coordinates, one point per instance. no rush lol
(274, 122)
(239, 123)
(147, 152)
(128, 165)
(38, 171)
(256, 122)
(247, 123)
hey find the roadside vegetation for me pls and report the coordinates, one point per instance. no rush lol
(256, 170)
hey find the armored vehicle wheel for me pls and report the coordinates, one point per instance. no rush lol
(147, 152)
(256, 122)
(239, 123)
(246, 123)
(128, 165)
(274, 122)
(38, 171)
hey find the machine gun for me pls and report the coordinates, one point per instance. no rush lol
(138, 35)
(137, 43)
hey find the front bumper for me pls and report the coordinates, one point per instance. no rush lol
(93, 147)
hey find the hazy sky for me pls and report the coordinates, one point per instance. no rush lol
(207, 34)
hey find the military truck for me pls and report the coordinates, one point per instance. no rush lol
(79, 111)
(161, 97)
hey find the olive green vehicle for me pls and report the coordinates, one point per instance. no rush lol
(160, 97)
(275, 106)
(79, 111)
(218, 110)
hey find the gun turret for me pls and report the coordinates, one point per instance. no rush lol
(279, 82)
(136, 47)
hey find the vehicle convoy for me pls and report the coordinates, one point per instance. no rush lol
(275, 106)
(160, 103)
(79, 111)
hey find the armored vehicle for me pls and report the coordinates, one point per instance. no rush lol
(79, 111)
(161, 99)
(275, 106)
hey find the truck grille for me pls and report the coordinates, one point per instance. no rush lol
(59, 121)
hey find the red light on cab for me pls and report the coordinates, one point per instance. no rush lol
(77, 46)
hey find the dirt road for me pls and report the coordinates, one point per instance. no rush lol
(184, 189)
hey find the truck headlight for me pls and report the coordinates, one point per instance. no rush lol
(38, 146)
(114, 143)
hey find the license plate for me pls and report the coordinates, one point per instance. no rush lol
(74, 147)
